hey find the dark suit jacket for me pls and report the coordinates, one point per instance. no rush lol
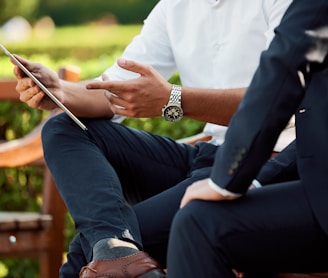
(281, 168)
(275, 94)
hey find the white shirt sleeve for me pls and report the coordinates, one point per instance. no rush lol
(152, 46)
(275, 11)
(152, 42)
(256, 183)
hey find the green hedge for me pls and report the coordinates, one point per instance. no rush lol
(65, 12)
(77, 11)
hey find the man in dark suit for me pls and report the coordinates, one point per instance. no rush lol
(282, 227)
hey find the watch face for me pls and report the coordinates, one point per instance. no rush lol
(173, 113)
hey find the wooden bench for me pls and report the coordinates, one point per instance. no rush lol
(41, 234)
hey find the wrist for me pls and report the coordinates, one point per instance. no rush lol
(172, 111)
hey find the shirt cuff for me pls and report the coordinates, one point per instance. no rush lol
(222, 191)
(256, 183)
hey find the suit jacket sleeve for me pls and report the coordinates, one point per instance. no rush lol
(282, 167)
(273, 96)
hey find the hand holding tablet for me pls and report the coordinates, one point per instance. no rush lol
(43, 88)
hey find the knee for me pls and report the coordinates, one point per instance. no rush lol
(54, 126)
(186, 219)
(56, 133)
(54, 129)
(198, 216)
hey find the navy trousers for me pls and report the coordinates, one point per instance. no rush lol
(273, 228)
(118, 182)
(269, 229)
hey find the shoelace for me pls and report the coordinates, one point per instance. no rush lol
(86, 268)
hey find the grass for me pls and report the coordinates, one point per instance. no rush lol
(82, 35)
(90, 47)
(109, 35)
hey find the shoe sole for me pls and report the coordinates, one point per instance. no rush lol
(156, 273)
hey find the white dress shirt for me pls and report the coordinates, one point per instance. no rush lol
(211, 44)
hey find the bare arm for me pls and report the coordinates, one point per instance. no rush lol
(214, 106)
(83, 102)
(145, 96)
(75, 96)
(141, 97)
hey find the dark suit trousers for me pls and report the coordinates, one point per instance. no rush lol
(271, 229)
(119, 179)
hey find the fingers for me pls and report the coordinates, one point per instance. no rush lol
(187, 197)
(114, 101)
(18, 72)
(134, 66)
(23, 83)
(116, 87)
(141, 69)
(35, 100)
(99, 85)
(26, 63)
(30, 93)
(32, 96)
(238, 274)
(105, 77)
(118, 106)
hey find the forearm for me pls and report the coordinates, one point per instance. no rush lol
(214, 106)
(84, 102)
(146, 95)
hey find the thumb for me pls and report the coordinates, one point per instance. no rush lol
(133, 66)
(31, 66)
(20, 59)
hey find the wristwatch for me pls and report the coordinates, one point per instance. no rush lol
(173, 112)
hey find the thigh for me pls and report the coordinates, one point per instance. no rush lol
(269, 229)
(155, 215)
(145, 163)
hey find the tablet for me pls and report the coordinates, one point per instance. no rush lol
(43, 88)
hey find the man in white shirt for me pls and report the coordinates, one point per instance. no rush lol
(215, 46)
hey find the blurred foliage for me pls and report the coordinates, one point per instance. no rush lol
(20, 189)
(68, 12)
(11, 8)
(90, 47)
(18, 268)
(76, 11)
(80, 45)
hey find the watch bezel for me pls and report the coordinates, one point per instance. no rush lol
(172, 118)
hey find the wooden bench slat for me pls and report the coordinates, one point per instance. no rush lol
(8, 89)
(11, 221)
